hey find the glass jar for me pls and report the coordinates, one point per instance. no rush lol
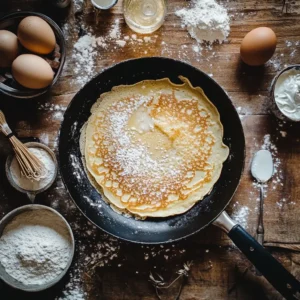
(144, 16)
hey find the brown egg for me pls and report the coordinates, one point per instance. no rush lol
(32, 71)
(9, 48)
(36, 35)
(258, 46)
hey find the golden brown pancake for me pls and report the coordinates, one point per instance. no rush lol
(155, 147)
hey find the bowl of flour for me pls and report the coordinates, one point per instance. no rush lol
(36, 248)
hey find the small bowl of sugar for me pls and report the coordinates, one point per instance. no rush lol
(36, 247)
(32, 187)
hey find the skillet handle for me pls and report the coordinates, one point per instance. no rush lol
(283, 281)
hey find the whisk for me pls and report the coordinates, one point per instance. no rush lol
(31, 166)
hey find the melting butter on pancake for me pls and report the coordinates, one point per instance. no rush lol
(155, 147)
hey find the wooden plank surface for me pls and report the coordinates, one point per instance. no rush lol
(123, 269)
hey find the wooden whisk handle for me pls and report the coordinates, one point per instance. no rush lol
(4, 126)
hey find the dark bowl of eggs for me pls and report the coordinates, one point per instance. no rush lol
(32, 54)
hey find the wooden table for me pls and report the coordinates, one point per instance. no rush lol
(105, 268)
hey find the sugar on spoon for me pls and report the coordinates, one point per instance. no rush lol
(262, 169)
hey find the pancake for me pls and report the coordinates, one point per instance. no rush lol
(155, 147)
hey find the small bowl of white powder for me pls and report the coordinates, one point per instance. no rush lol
(36, 248)
(33, 187)
(285, 94)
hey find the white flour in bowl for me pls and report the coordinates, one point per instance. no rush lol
(35, 247)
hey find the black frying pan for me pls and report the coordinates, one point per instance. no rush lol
(210, 210)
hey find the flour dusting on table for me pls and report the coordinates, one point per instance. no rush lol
(102, 253)
(90, 47)
(206, 20)
(241, 214)
(84, 55)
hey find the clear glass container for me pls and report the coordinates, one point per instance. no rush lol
(144, 16)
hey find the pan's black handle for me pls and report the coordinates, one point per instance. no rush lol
(283, 281)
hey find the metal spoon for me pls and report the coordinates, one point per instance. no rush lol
(262, 169)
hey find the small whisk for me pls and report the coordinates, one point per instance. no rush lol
(31, 166)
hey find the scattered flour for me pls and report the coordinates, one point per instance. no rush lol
(84, 55)
(293, 47)
(51, 107)
(121, 43)
(283, 133)
(240, 214)
(283, 202)
(275, 63)
(89, 48)
(196, 48)
(101, 254)
(205, 20)
(115, 32)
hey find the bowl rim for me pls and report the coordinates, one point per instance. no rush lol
(32, 93)
(30, 207)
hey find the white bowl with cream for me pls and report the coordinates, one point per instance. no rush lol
(286, 94)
